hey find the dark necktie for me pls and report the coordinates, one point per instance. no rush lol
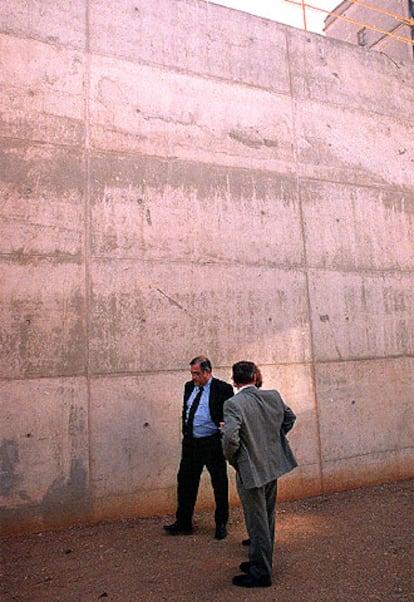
(193, 410)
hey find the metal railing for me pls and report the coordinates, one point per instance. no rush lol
(408, 21)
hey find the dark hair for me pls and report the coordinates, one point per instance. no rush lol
(259, 377)
(204, 362)
(244, 372)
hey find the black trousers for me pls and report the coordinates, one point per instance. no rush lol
(197, 453)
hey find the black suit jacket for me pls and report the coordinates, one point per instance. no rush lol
(219, 392)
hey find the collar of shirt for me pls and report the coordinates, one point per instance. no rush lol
(245, 387)
(206, 391)
(207, 385)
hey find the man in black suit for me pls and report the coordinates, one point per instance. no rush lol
(202, 413)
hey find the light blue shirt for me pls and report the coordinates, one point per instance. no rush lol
(203, 425)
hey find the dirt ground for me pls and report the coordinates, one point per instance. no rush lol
(351, 546)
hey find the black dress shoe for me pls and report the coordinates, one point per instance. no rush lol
(246, 566)
(250, 581)
(176, 529)
(221, 532)
(246, 542)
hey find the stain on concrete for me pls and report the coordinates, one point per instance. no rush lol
(135, 180)
(396, 203)
(13, 167)
(9, 459)
(63, 490)
(41, 170)
(127, 176)
(66, 502)
(77, 422)
(252, 139)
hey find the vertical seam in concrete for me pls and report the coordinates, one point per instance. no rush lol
(87, 223)
(306, 268)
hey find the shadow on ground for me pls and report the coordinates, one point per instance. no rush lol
(350, 546)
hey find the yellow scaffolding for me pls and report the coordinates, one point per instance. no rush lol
(404, 20)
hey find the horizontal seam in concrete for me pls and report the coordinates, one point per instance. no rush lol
(135, 374)
(367, 454)
(35, 38)
(52, 143)
(272, 266)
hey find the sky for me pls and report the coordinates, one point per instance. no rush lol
(285, 12)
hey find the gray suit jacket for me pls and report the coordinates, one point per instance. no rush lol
(254, 436)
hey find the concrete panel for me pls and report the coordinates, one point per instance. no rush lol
(358, 228)
(251, 311)
(381, 467)
(42, 328)
(42, 202)
(46, 20)
(226, 44)
(156, 112)
(353, 146)
(44, 453)
(142, 415)
(325, 70)
(366, 418)
(41, 92)
(362, 315)
(154, 210)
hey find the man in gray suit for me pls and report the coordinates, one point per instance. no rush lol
(254, 443)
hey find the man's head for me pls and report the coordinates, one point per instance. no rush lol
(244, 373)
(200, 368)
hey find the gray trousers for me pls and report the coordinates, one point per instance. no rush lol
(259, 514)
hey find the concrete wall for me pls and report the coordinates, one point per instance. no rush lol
(179, 178)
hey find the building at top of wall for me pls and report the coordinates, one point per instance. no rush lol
(387, 27)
